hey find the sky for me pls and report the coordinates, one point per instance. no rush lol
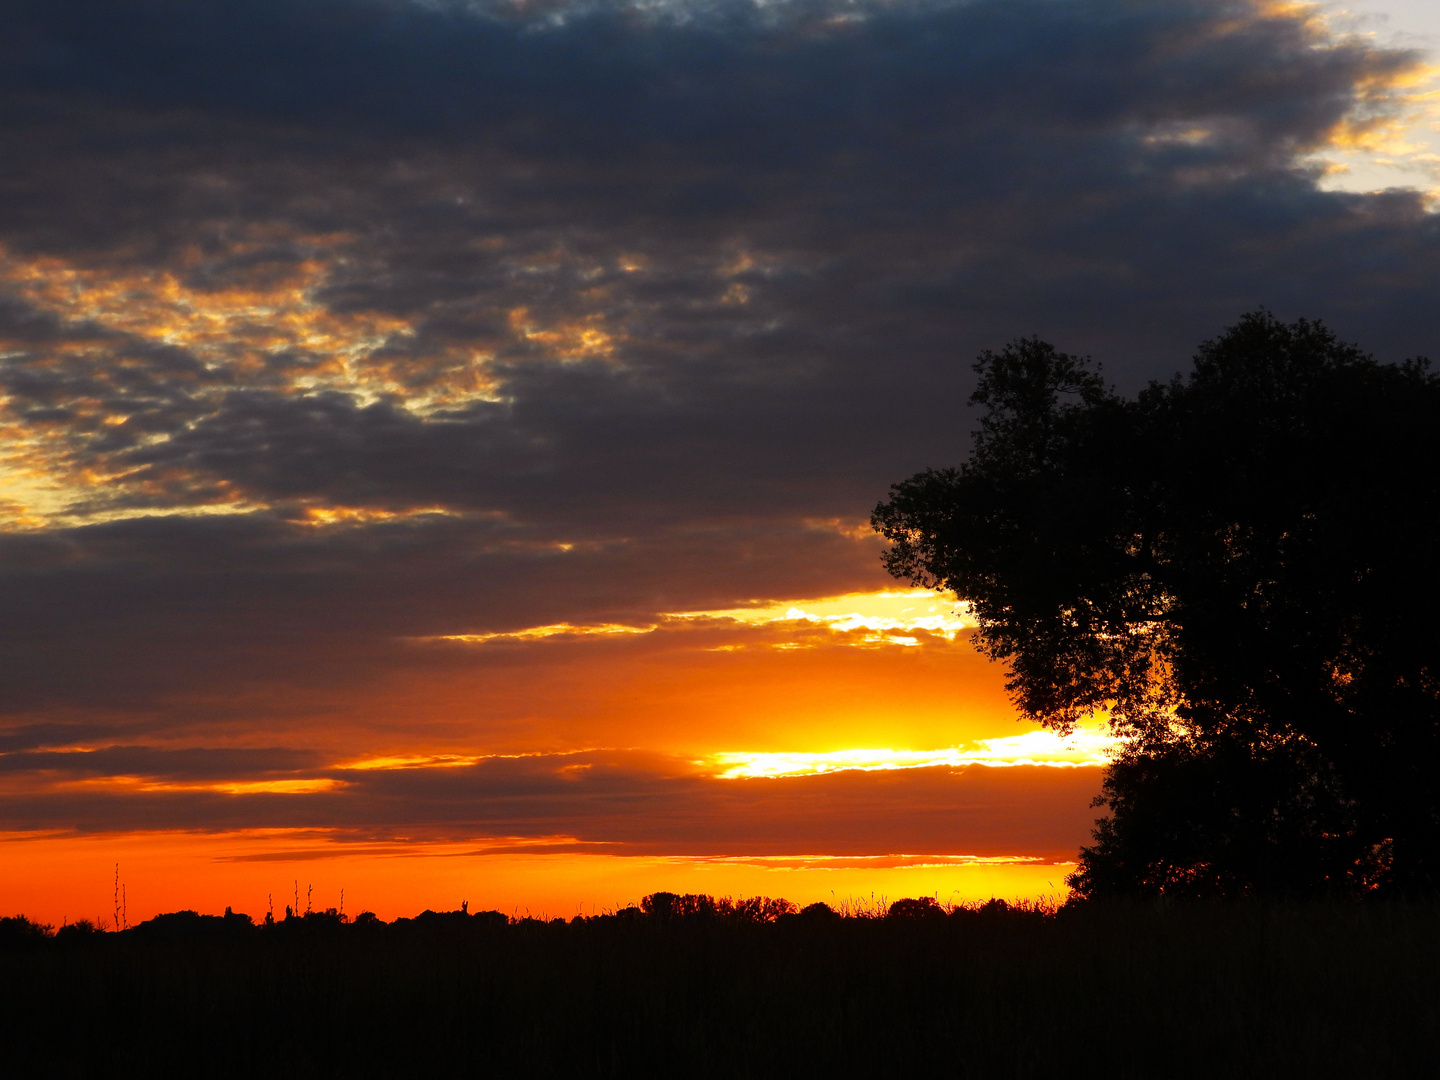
(437, 438)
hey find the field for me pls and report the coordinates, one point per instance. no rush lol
(1144, 991)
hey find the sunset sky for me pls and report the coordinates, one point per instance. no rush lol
(439, 435)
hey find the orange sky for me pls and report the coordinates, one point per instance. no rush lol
(436, 453)
(784, 752)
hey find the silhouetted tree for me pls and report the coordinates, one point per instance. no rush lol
(1240, 569)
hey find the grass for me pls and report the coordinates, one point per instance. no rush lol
(1270, 990)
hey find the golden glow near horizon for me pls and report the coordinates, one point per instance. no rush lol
(255, 870)
(804, 728)
(1084, 748)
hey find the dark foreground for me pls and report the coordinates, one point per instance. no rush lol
(1154, 991)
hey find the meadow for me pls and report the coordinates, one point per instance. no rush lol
(692, 987)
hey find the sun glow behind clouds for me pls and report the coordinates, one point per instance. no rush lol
(537, 633)
(1084, 748)
(64, 877)
(881, 618)
(882, 614)
(1393, 139)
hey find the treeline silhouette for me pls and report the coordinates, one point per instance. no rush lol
(697, 986)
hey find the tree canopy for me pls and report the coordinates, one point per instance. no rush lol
(1238, 569)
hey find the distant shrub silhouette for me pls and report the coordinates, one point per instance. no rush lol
(818, 912)
(191, 925)
(80, 929)
(921, 907)
(664, 906)
(763, 909)
(18, 932)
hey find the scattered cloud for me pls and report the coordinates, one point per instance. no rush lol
(424, 383)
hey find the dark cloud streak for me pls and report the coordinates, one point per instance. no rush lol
(628, 803)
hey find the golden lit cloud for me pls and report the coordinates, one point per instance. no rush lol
(382, 762)
(234, 332)
(413, 761)
(270, 330)
(536, 633)
(885, 617)
(308, 786)
(582, 340)
(1082, 749)
(233, 327)
(1392, 138)
(322, 516)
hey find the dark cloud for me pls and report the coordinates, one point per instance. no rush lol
(628, 803)
(192, 764)
(585, 314)
(175, 620)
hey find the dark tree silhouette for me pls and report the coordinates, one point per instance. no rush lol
(1240, 569)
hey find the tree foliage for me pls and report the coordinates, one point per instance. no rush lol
(1238, 569)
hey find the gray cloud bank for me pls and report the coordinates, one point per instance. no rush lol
(629, 301)
(615, 803)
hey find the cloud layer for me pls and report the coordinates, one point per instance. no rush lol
(601, 803)
(334, 327)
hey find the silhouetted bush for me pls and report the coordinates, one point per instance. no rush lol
(18, 932)
(82, 930)
(665, 906)
(818, 913)
(922, 907)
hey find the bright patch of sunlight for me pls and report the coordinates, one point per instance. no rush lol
(1082, 748)
(1392, 140)
(882, 614)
